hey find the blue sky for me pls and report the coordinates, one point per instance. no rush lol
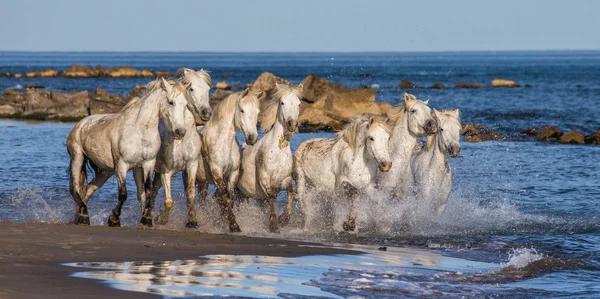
(298, 26)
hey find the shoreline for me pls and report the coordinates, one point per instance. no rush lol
(33, 255)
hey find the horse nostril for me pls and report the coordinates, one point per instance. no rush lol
(177, 132)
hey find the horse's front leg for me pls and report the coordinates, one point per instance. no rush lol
(121, 173)
(350, 192)
(148, 169)
(77, 182)
(284, 218)
(189, 176)
(264, 181)
(231, 184)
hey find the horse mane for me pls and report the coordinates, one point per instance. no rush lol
(187, 79)
(402, 108)
(269, 115)
(352, 130)
(448, 116)
(152, 87)
(229, 104)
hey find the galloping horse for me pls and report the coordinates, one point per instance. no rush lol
(221, 155)
(116, 143)
(431, 168)
(345, 165)
(267, 166)
(181, 155)
(412, 121)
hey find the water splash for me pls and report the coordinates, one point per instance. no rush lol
(521, 257)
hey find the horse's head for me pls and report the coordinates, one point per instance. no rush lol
(172, 110)
(289, 105)
(198, 87)
(449, 128)
(248, 107)
(420, 121)
(378, 134)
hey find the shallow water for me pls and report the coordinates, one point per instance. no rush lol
(512, 202)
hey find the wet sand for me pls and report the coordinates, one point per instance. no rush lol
(32, 254)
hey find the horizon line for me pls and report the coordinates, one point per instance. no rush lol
(296, 52)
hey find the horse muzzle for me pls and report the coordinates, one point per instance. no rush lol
(385, 166)
(292, 125)
(430, 127)
(178, 133)
(453, 150)
(205, 114)
(251, 139)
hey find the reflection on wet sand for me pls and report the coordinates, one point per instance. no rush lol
(263, 276)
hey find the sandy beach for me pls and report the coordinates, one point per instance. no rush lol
(32, 255)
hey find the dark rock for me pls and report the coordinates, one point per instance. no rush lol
(593, 139)
(366, 75)
(33, 86)
(478, 133)
(468, 85)
(437, 85)
(226, 75)
(529, 132)
(579, 85)
(528, 85)
(405, 84)
(5, 74)
(548, 133)
(573, 137)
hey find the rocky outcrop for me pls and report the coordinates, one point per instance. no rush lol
(405, 84)
(468, 85)
(80, 71)
(87, 71)
(573, 137)
(479, 133)
(529, 132)
(593, 139)
(548, 133)
(221, 85)
(504, 83)
(46, 73)
(437, 85)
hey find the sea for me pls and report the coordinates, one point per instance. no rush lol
(522, 219)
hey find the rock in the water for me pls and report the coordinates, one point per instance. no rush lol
(366, 75)
(468, 85)
(593, 139)
(478, 133)
(529, 132)
(579, 85)
(33, 86)
(437, 85)
(528, 86)
(7, 110)
(146, 73)
(504, 83)
(548, 133)
(80, 71)
(573, 137)
(123, 72)
(221, 85)
(163, 74)
(5, 74)
(226, 75)
(46, 73)
(405, 84)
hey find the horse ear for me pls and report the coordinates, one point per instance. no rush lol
(406, 97)
(426, 102)
(245, 92)
(260, 95)
(300, 86)
(166, 85)
(457, 113)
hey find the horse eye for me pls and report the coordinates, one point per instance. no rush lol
(413, 111)
(191, 89)
(371, 138)
(281, 103)
(242, 110)
(171, 103)
(441, 129)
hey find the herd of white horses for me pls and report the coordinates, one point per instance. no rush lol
(156, 136)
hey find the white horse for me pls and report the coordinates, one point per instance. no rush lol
(432, 173)
(116, 143)
(181, 155)
(267, 166)
(412, 121)
(221, 154)
(342, 166)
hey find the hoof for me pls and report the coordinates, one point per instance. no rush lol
(234, 228)
(283, 219)
(114, 221)
(81, 219)
(349, 226)
(161, 220)
(191, 224)
(146, 222)
(274, 230)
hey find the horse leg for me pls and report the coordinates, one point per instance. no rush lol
(148, 169)
(350, 193)
(202, 193)
(100, 178)
(301, 196)
(121, 173)
(232, 183)
(264, 181)
(138, 177)
(77, 168)
(156, 185)
(189, 176)
(284, 218)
